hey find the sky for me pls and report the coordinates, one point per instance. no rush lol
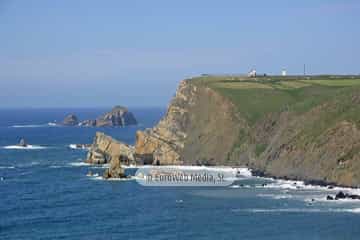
(134, 53)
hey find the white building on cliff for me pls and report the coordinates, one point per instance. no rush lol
(252, 73)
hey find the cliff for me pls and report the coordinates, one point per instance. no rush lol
(200, 127)
(290, 127)
(297, 128)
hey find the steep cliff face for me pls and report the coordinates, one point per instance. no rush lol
(298, 130)
(200, 127)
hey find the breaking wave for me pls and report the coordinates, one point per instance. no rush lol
(35, 125)
(299, 210)
(7, 167)
(28, 147)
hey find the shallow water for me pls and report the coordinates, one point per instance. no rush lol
(46, 194)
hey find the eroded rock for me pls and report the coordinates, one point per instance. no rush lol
(70, 120)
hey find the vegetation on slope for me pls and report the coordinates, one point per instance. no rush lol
(298, 126)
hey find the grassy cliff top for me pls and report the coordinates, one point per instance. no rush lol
(254, 97)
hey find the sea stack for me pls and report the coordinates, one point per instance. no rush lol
(70, 120)
(118, 116)
(22, 143)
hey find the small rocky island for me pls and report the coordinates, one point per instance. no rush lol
(119, 116)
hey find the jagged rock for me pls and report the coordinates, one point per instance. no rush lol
(108, 150)
(22, 143)
(328, 197)
(119, 116)
(353, 196)
(115, 170)
(104, 149)
(340, 195)
(70, 120)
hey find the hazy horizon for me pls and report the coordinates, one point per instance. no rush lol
(94, 54)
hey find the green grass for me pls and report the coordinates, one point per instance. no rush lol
(335, 83)
(257, 97)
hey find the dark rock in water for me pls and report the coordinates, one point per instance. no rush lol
(328, 197)
(119, 116)
(353, 196)
(22, 143)
(340, 195)
(70, 120)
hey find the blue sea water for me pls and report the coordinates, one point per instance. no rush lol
(45, 194)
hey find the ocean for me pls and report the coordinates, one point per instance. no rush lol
(45, 193)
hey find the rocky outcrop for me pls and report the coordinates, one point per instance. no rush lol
(341, 195)
(70, 120)
(22, 143)
(118, 116)
(115, 170)
(105, 149)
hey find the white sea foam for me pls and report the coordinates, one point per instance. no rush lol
(75, 146)
(300, 185)
(298, 210)
(275, 196)
(84, 164)
(7, 167)
(131, 166)
(29, 126)
(28, 147)
(72, 146)
(234, 186)
(79, 164)
(55, 166)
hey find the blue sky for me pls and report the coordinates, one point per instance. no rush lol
(101, 53)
